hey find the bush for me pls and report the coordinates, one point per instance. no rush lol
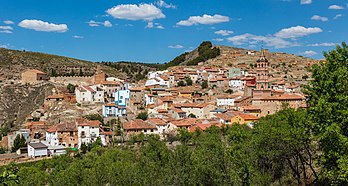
(142, 115)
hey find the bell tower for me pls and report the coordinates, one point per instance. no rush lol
(262, 72)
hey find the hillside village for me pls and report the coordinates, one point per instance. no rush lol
(82, 110)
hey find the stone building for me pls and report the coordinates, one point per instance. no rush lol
(34, 76)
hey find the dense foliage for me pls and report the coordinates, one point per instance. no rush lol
(328, 101)
(206, 51)
(18, 143)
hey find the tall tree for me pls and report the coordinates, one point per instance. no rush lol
(18, 143)
(328, 100)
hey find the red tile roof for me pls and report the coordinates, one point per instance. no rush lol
(137, 125)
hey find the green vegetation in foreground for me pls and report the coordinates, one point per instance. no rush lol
(303, 147)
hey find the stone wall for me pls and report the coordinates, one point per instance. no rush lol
(75, 80)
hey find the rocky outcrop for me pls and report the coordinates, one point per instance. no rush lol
(17, 101)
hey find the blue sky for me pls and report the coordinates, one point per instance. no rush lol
(157, 31)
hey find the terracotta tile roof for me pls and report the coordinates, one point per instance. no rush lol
(156, 121)
(88, 88)
(227, 96)
(56, 96)
(136, 89)
(63, 127)
(250, 107)
(36, 71)
(137, 125)
(202, 127)
(110, 83)
(248, 116)
(224, 116)
(184, 122)
(90, 123)
(282, 97)
(34, 123)
(110, 104)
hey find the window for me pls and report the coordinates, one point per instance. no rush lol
(151, 130)
(145, 130)
(71, 133)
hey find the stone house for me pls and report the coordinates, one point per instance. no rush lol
(34, 76)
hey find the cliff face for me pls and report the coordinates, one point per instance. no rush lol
(18, 101)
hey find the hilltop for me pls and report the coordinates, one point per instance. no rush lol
(13, 62)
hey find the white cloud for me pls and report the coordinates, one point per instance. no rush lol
(309, 53)
(9, 22)
(93, 23)
(335, 7)
(4, 45)
(161, 3)
(78, 37)
(205, 20)
(154, 25)
(297, 31)
(147, 12)
(304, 2)
(224, 32)
(218, 39)
(107, 24)
(42, 26)
(6, 29)
(319, 18)
(269, 41)
(176, 46)
(338, 16)
(322, 44)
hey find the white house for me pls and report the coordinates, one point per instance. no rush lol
(149, 99)
(37, 150)
(226, 101)
(157, 82)
(235, 83)
(52, 136)
(89, 94)
(121, 97)
(56, 150)
(88, 132)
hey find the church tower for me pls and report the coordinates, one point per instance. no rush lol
(262, 72)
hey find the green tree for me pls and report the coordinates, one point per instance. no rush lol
(142, 115)
(94, 117)
(18, 143)
(181, 83)
(71, 88)
(192, 116)
(229, 91)
(204, 84)
(188, 80)
(328, 105)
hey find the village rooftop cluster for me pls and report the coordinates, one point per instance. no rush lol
(190, 98)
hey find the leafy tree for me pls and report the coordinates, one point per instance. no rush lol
(192, 116)
(71, 88)
(181, 83)
(18, 143)
(94, 117)
(188, 80)
(229, 91)
(2, 150)
(142, 115)
(204, 84)
(9, 177)
(328, 103)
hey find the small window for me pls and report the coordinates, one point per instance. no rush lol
(151, 130)
(145, 130)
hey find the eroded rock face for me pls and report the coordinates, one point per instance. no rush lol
(17, 101)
